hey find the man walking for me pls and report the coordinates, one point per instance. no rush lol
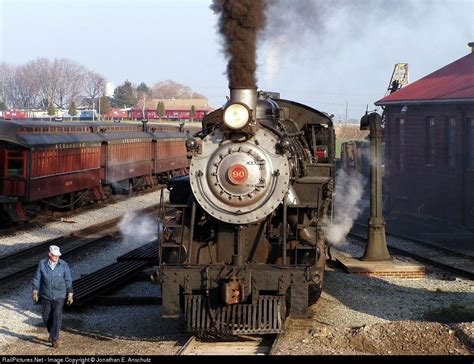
(51, 282)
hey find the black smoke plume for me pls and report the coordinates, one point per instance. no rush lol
(240, 22)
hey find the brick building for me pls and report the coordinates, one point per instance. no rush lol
(429, 145)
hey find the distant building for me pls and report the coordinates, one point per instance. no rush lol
(175, 109)
(429, 145)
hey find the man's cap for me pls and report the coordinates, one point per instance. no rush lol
(53, 249)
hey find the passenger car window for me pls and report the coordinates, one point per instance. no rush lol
(15, 167)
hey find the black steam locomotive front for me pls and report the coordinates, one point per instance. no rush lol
(247, 246)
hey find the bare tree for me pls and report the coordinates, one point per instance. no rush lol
(143, 94)
(172, 89)
(70, 81)
(42, 82)
(94, 86)
(5, 70)
(46, 74)
(25, 87)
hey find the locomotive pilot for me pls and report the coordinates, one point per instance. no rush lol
(53, 284)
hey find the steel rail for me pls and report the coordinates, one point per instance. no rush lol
(114, 275)
(422, 251)
(418, 241)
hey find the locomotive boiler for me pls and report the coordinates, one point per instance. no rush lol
(246, 248)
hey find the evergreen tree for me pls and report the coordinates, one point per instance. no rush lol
(104, 105)
(3, 105)
(125, 95)
(51, 110)
(72, 110)
(143, 88)
(192, 113)
(160, 109)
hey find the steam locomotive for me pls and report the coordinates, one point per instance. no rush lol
(247, 248)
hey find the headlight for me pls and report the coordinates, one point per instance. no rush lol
(236, 116)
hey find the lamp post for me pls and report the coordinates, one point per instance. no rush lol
(376, 249)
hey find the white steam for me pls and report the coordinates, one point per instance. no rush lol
(274, 54)
(349, 190)
(139, 228)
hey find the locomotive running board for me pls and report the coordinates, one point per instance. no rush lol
(264, 317)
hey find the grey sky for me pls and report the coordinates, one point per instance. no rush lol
(346, 56)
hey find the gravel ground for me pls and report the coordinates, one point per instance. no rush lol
(355, 315)
(385, 316)
(20, 320)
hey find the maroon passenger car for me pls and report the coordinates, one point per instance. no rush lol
(65, 165)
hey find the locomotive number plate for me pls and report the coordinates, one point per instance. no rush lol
(237, 174)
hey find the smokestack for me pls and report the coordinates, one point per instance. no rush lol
(246, 96)
(471, 44)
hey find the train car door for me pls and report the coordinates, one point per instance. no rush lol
(103, 161)
(14, 173)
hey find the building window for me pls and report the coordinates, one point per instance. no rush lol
(430, 146)
(451, 142)
(400, 157)
(470, 144)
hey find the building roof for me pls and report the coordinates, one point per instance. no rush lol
(451, 83)
(177, 104)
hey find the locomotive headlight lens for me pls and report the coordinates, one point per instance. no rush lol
(236, 116)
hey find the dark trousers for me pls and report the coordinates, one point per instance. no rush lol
(52, 316)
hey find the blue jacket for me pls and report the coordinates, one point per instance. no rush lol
(53, 284)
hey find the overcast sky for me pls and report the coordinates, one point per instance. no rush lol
(342, 52)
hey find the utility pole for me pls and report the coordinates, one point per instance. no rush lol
(347, 105)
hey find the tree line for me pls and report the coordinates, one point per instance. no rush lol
(62, 83)
(44, 82)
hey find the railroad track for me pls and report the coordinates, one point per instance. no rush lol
(238, 345)
(128, 265)
(446, 259)
(48, 216)
(114, 275)
(18, 264)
